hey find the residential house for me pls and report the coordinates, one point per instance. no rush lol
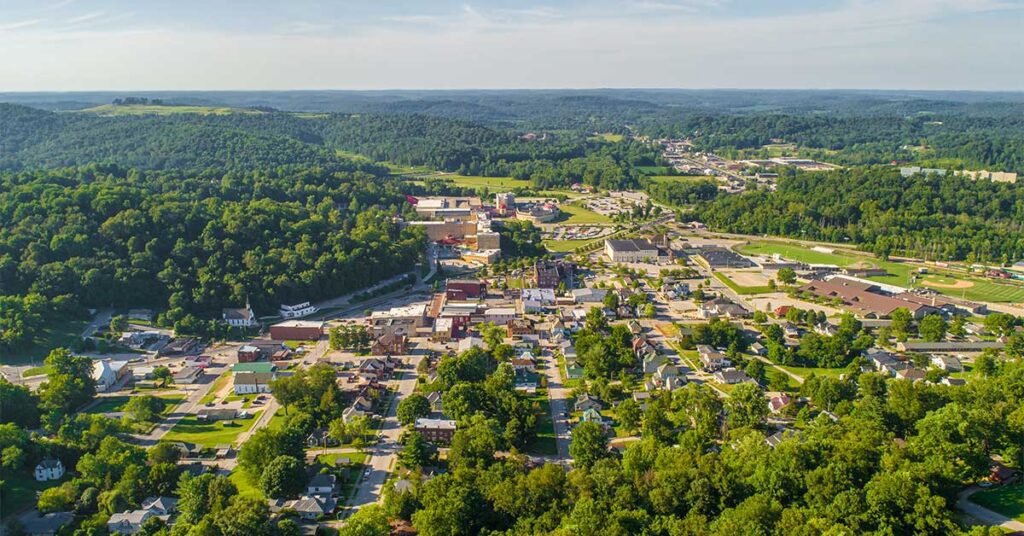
(321, 484)
(320, 438)
(780, 436)
(585, 402)
(525, 362)
(129, 521)
(732, 376)
(49, 469)
(711, 359)
(720, 307)
(643, 348)
(912, 374)
(668, 378)
(518, 327)
(352, 412)
(313, 507)
(778, 402)
(526, 381)
(108, 373)
(947, 363)
(758, 349)
(592, 415)
(434, 397)
(161, 506)
(651, 363)
(468, 343)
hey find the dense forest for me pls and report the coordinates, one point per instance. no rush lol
(934, 218)
(100, 236)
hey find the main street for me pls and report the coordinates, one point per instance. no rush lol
(558, 400)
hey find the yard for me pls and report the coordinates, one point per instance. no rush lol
(1007, 500)
(55, 335)
(545, 443)
(246, 488)
(357, 461)
(209, 434)
(19, 491)
(114, 404)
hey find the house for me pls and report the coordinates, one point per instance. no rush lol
(782, 310)
(790, 331)
(161, 506)
(49, 469)
(471, 342)
(297, 330)
(588, 295)
(912, 374)
(434, 397)
(390, 344)
(652, 362)
(352, 412)
(732, 376)
(298, 310)
(253, 382)
(574, 371)
(667, 377)
(947, 363)
(883, 361)
(525, 362)
(45, 525)
(719, 307)
(321, 484)
(363, 404)
(778, 402)
(313, 507)
(436, 430)
(1001, 474)
(129, 521)
(320, 438)
(758, 349)
(643, 348)
(585, 402)
(526, 381)
(630, 250)
(240, 318)
(592, 415)
(953, 382)
(376, 369)
(711, 359)
(778, 437)
(499, 315)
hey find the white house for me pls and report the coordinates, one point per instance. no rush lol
(49, 469)
(107, 373)
(298, 310)
(129, 522)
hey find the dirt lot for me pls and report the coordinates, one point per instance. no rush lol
(746, 278)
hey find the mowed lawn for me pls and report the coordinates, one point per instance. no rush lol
(1007, 500)
(577, 215)
(545, 442)
(565, 246)
(60, 334)
(209, 434)
(113, 404)
(472, 181)
(19, 491)
(740, 289)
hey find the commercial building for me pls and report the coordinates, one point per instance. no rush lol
(719, 257)
(630, 250)
(461, 289)
(298, 310)
(297, 330)
(436, 430)
(863, 298)
(253, 382)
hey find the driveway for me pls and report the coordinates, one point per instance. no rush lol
(983, 515)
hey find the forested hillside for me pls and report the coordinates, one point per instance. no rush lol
(935, 218)
(100, 236)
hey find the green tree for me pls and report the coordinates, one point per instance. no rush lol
(416, 451)
(629, 414)
(69, 383)
(932, 328)
(786, 275)
(145, 408)
(411, 408)
(474, 445)
(746, 406)
(163, 374)
(370, 520)
(901, 323)
(589, 444)
(285, 476)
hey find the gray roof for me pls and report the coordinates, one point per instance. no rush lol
(635, 244)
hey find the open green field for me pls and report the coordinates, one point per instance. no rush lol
(209, 434)
(1007, 500)
(151, 109)
(739, 289)
(566, 246)
(351, 156)
(654, 170)
(804, 372)
(607, 136)
(19, 491)
(35, 371)
(54, 335)
(113, 404)
(577, 215)
(218, 384)
(471, 181)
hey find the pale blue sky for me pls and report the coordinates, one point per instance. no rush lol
(64, 45)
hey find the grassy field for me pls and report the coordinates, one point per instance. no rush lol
(19, 491)
(565, 246)
(470, 181)
(981, 289)
(148, 109)
(352, 156)
(209, 434)
(804, 372)
(114, 404)
(741, 289)
(577, 215)
(36, 371)
(607, 136)
(55, 335)
(1007, 500)
(654, 170)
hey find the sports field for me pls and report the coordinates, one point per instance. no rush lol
(970, 288)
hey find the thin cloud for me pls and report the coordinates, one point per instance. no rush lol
(85, 18)
(19, 25)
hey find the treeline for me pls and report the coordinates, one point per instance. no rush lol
(102, 236)
(950, 218)
(993, 141)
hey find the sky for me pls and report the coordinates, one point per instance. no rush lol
(75, 45)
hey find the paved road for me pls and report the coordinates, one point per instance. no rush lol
(558, 397)
(188, 407)
(984, 515)
(382, 457)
